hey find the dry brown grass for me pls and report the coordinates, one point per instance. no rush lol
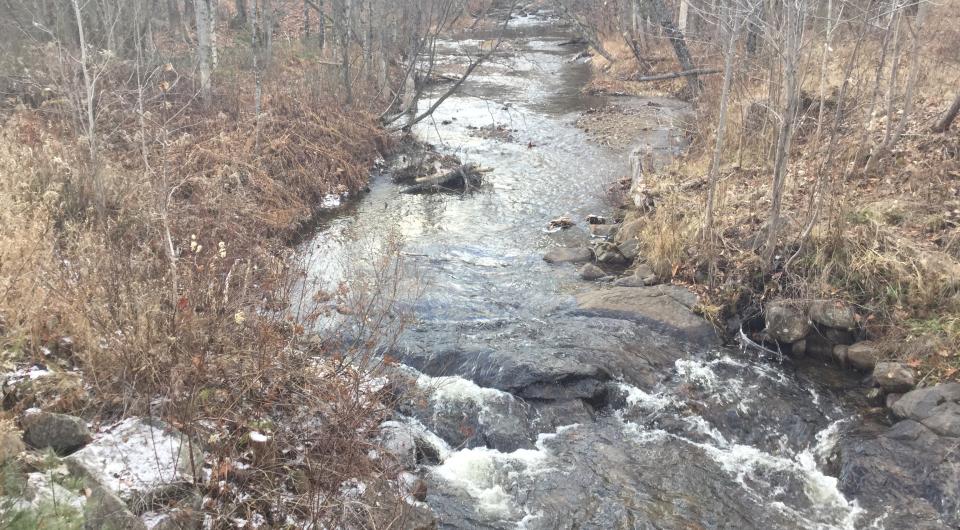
(175, 297)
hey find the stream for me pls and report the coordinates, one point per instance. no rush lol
(540, 414)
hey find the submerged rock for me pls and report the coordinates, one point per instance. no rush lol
(785, 322)
(60, 432)
(568, 255)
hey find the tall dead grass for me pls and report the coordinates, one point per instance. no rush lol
(174, 300)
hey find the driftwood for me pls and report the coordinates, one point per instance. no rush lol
(674, 75)
(461, 178)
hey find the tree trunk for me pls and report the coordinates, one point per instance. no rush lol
(664, 17)
(321, 26)
(89, 103)
(943, 124)
(240, 17)
(202, 12)
(306, 21)
(909, 90)
(718, 150)
(793, 28)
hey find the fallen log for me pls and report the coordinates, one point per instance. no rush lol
(674, 75)
(460, 178)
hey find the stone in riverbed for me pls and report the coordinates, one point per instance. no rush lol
(840, 353)
(834, 314)
(591, 272)
(568, 255)
(60, 432)
(785, 322)
(642, 276)
(666, 308)
(908, 466)
(603, 230)
(609, 254)
(863, 355)
(894, 377)
(400, 441)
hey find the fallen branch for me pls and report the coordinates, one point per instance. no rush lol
(674, 75)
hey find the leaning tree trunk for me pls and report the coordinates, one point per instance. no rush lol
(943, 124)
(664, 17)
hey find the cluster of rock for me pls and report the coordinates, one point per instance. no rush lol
(613, 255)
(138, 474)
(827, 329)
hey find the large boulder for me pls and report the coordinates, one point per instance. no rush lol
(786, 322)
(907, 471)
(937, 407)
(834, 314)
(894, 377)
(60, 432)
(568, 255)
(666, 308)
(863, 355)
(138, 461)
(630, 249)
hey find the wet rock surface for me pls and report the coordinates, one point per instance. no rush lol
(907, 472)
(665, 308)
(568, 255)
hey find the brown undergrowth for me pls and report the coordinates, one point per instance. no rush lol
(885, 237)
(159, 283)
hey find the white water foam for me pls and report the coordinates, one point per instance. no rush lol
(487, 475)
(749, 464)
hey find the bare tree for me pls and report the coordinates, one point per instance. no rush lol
(732, 26)
(792, 36)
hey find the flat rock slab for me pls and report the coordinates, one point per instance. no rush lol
(568, 255)
(139, 460)
(666, 308)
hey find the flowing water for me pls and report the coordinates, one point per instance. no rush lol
(545, 416)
